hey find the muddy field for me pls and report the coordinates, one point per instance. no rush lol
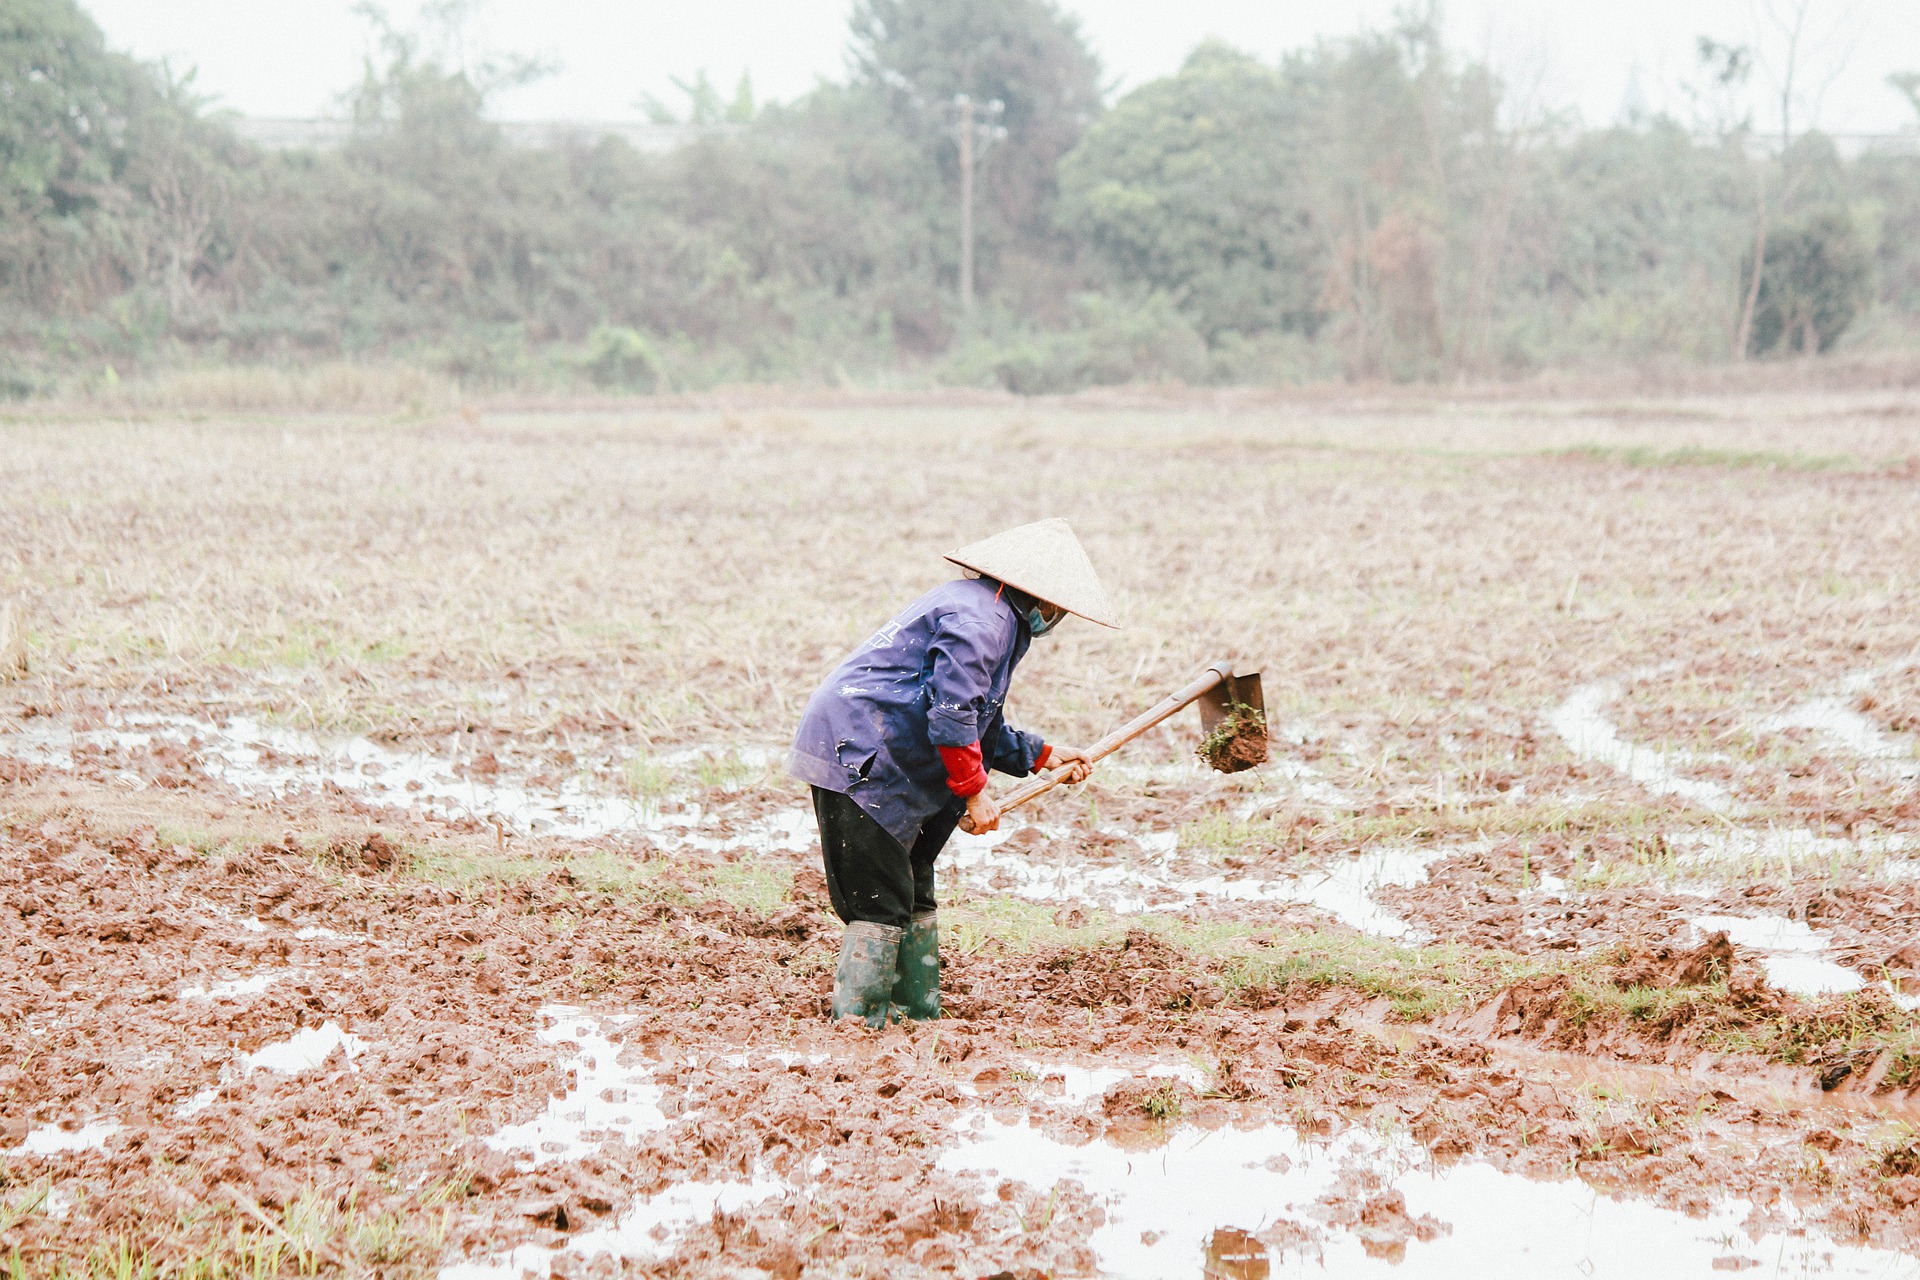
(400, 880)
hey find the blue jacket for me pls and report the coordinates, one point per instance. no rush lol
(936, 676)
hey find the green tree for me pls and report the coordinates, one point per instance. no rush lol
(64, 106)
(1625, 246)
(112, 185)
(917, 54)
(1415, 186)
(1195, 185)
(1812, 284)
(1366, 185)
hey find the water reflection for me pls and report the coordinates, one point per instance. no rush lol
(1232, 1254)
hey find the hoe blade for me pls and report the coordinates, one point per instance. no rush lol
(1233, 718)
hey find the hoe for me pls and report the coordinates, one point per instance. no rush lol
(1233, 720)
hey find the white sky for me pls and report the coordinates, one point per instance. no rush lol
(294, 57)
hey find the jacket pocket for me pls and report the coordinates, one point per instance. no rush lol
(857, 763)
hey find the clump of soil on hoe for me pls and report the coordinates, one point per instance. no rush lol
(1236, 743)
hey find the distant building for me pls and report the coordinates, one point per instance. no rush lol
(534, 135)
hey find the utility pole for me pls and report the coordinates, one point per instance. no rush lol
(965, 104)
(974, 134)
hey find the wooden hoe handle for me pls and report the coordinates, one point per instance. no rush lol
(1184, 696)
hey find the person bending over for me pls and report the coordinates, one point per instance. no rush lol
(896, 745)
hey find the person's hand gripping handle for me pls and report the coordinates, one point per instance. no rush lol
(1067, 764)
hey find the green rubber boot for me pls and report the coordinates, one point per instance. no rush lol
(916, 991)
(863, 982)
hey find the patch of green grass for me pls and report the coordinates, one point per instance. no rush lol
(757, 884)
(16, 1208)
(1419, 982)
(1163, 1103)
(1853, 1027)
(315, 1235)
(1474, 815)
(1699, 456)
(293, 650)
(1219, 837)
(1653, 860)
(1016, 925)
(198, 839)
(1636, 1003)
(644, 778)
(725, 771)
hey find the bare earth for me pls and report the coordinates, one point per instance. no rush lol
(400, 879)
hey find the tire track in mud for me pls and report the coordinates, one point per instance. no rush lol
(1789, 956)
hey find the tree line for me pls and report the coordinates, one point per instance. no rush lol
(1372, 207)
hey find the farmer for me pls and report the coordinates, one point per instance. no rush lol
(897, 741)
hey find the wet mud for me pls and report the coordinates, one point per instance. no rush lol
(531, 1070)
(540, 1068)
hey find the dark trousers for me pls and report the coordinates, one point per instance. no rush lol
(869, 875)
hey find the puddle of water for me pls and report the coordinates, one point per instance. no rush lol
(230, 989)
(1841, 726)
(647, 1231)
(609, 1100)
(1736, 849)
(1311, 786)
(1790, 951)
(52, 1140)
(1811, 976)
(1164, 1206)
(606, 1099)
(304, 1050)
(528, 1259)
(383, 776)
(1581, 723)
(1763, 933)
(259, 758)
(1079, 1084)
(1343, 889)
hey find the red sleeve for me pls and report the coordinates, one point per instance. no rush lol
(1040, 761)
(966, 776)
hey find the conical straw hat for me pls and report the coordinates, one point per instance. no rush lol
(1046, 561)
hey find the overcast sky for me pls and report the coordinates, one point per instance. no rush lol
(294, 57)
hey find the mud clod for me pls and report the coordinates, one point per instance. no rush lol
(369, 852)
(1900, 1161)
(1238, 742)
(1155, 1099)
(1628, 1138)
(1662, 966)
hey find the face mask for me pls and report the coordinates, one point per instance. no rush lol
(1039, 623)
